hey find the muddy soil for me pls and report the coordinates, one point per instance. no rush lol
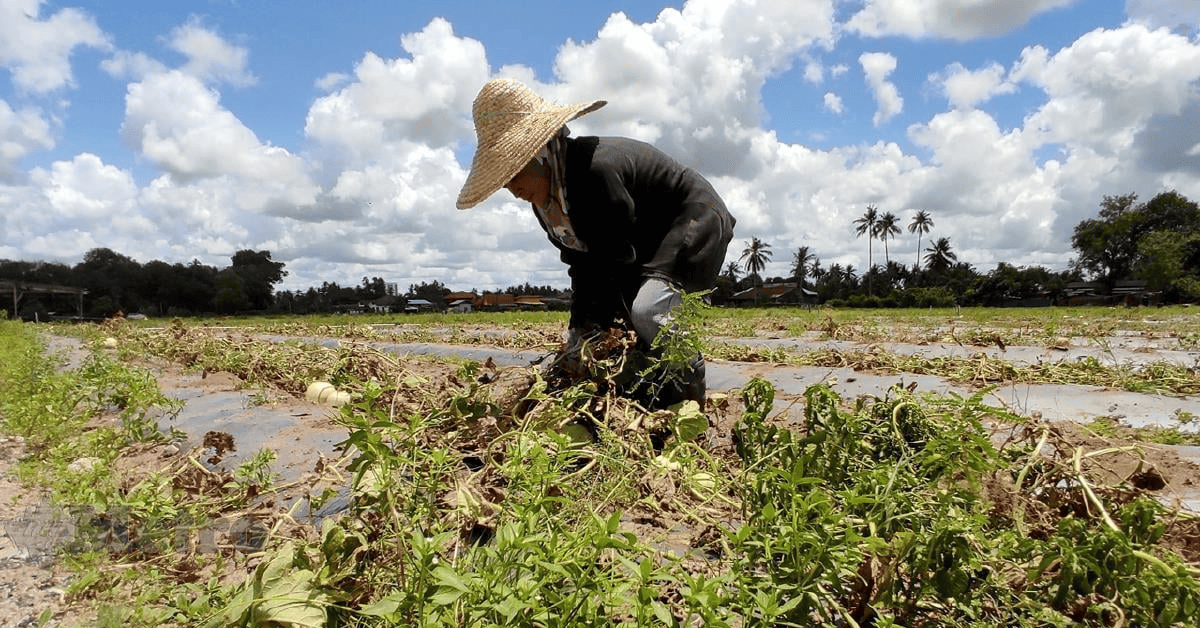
(1068, 406)
(303, 437)
(30, 581)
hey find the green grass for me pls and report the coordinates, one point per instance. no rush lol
(476, 508)
(1035, 326)
(1013, 326)
(96, 412)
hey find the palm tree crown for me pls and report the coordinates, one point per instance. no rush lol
(866, 225)
(939, 256)
(800, 264)
(756, 255)
(732, 270)
(920, 225)
(885, 229)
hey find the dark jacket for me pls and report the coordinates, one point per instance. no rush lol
(641, 214)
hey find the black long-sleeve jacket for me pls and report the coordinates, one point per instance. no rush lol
(641, 214)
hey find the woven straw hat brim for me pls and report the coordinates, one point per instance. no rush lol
(508, 140)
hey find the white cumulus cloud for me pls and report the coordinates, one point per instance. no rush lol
(21, 133)
(367, 186)
(418, 99)
(210, 57)
(951, 19)
(877, 66)
(965, 89)
(37, 51)
(833, 102)
(1173, 14)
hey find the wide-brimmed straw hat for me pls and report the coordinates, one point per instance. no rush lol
(512, 124)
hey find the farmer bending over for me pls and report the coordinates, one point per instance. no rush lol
(634, 226)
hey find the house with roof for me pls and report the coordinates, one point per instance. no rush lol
(496, 301)
(418, 305)
(460, 306)
(1128, 292)
(461, 301)
(785, 293)
(529, 302)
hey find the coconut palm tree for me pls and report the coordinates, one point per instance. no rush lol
(756, 255)
(850, 279)
(835, 279)
(866, 225)
(800, 264)
(920, 225)
(939, 256)
(886, 229)
(732, 270)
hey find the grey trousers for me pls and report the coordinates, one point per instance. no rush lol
(649, 313)
(651, 308)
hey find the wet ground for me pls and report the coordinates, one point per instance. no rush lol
(1053, 402)
(301, 432)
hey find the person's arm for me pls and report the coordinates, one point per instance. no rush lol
(594, 294)
(609, 212)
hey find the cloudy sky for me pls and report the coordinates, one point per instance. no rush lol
(336, 135)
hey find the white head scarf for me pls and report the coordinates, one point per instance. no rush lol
(556, 216)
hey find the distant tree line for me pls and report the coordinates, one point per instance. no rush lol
(1157, 242)
(377, 295)
(116, 283)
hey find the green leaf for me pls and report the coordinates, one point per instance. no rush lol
(509, 607)
(645, 569)
(292, 601)
(387, 605)
(271, 573)
(235, 612)
(614, 521)
(663, 613)
(789, 605)
(332, 538)
(451, 586)
(690, 421)
(448, 577)
(446, 596)
(554, 568)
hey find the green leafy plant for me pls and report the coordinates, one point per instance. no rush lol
(472, 501)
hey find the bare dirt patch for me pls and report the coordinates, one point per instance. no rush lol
(225, 421)
(30, 582)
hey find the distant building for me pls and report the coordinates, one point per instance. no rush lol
(787, 293)
(20, 289)
(497, 301)
(418, 305)
(389, 303)
(529, 302)
(494, 301)
(1128, 292)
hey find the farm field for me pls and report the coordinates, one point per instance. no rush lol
(974, 467)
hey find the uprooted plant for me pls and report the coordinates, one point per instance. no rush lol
(892, 511)
(473, 500)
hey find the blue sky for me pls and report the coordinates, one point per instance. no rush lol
(291, 43)
(336, 134)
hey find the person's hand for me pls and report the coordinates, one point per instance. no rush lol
(573, 341)
(570, 356)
